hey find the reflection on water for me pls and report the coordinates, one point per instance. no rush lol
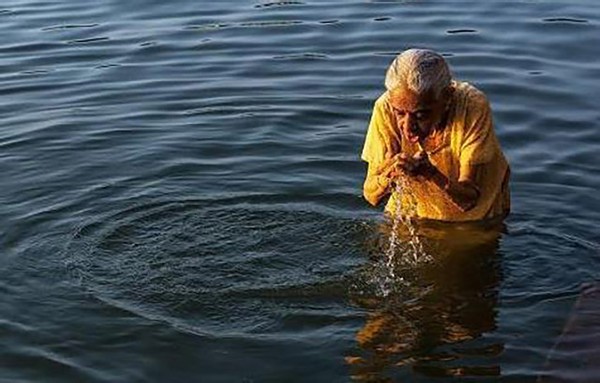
(436, 307)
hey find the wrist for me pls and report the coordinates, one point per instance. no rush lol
(384, 182)
(442, 181)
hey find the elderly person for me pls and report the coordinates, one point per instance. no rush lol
(434, 136)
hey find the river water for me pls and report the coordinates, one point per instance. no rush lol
(181, 192)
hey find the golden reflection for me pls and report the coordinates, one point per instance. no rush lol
(434, 324)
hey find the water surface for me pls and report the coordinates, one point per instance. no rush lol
(181, 195)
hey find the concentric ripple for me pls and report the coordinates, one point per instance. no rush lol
(133, 123)
(221, 265)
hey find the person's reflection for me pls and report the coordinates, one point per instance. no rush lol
(445, 304)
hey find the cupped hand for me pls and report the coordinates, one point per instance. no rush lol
(417, 165)
(390, 168)
(395, 166)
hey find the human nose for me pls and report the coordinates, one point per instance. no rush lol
(409, 122)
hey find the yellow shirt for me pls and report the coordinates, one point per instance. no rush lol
(468, 139)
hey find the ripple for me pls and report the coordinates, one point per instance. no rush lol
(460, 31)
(568, 20)
(107, 66)
(36, 72)
(271, 23)
(245, 24)
(88, 41)
(69, 26)
(563, 255)
(333, 21)
(214, 261)
(307, 55)
(213, 26)
(278, 4)
(205, 160)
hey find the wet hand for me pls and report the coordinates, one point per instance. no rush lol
(417, 165)
(402, 165)
(389, 170)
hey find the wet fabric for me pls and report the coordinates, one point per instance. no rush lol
(468, 139)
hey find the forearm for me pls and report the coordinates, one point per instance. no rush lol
(464, 194)
(375, 188)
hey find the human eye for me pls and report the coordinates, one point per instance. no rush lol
(422, 114)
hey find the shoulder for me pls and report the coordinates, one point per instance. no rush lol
(473, 100)
(382, 112)
(382, 103)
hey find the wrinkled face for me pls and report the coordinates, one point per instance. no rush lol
(417, 114)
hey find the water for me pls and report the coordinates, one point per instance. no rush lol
(405, 248)
(181, 192)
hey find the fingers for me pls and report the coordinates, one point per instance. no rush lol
(408, 165)
(395, 165)
(420, 155)
(388, 170)
(389, 161)
(415, 165)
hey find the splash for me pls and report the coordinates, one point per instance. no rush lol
(402, 250)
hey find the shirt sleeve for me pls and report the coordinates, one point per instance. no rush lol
(374, 149)
(479, 142)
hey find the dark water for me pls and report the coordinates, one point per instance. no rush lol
(181, 189)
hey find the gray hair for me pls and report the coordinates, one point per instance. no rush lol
(420, 70)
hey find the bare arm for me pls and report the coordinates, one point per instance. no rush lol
(464, 193)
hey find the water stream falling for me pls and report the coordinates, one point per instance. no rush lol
(402, 249)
